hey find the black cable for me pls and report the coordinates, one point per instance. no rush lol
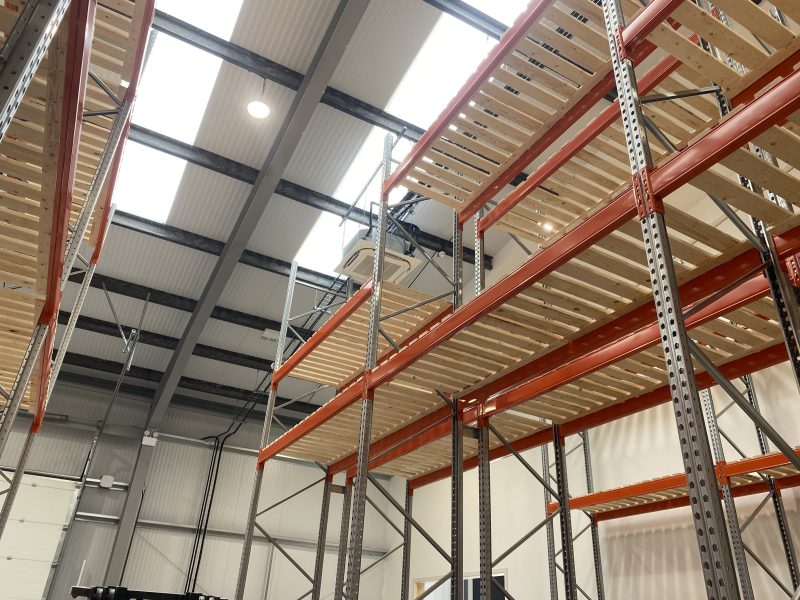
(239, 418)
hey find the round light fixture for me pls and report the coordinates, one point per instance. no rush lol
(258, 109)
(547, 227)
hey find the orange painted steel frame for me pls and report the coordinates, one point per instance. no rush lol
(739, 491)
(755, 118)
(79, 47)
(724, 472)
(763, 359)
(437, 424)
(77, 74)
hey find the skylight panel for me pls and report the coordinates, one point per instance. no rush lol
(506, 12)
(147, 182)
(172, 98)
(215, 17)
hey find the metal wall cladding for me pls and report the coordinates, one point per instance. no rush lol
(31, 536)
(55, 449)
(85, 557)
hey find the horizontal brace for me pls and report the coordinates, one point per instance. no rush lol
(680, 94)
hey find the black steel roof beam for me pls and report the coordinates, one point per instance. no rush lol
(186, 383)
(220, 313)
(129, 389)
(209, 245)
(247, 174)
(170, 343)
(471, 16)
(277, 73)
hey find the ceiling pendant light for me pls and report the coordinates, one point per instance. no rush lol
(257, 108)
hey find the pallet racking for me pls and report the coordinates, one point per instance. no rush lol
(628, 300)
(69, 73)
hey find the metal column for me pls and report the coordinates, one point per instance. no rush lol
(273, 392)
(458, 262)
(24, 50)
(709, 520)
(457, 507)
(321, 540)
(405, 582)
(457, 446)
(734, 531)
(365, 432)
(484, 513)
(341, 563)
(570, 585)
(480, 255)
(775, 493)
(598, 563)
(549, 528)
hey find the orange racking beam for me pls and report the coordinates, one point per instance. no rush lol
(633, 36)
(568, 151)
(737, 492)
(744, 294)
(757, 361)
(724, 471)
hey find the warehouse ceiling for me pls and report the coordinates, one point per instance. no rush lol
(193, 155)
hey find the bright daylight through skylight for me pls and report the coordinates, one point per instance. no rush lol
(448, 57)
(171, 101)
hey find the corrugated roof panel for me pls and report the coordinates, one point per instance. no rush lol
(155, 263)
(226, 374)
(207, 203)
(158, 318)
(238, 339)
(282, 228)
(261, 293)
(383, 47)
(108, 348)
(286, 31)
(329, 145)
(227, 127)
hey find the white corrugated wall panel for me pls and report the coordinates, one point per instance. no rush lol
(31, 536)
(55, 450)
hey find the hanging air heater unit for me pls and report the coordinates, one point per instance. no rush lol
(359, 253)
